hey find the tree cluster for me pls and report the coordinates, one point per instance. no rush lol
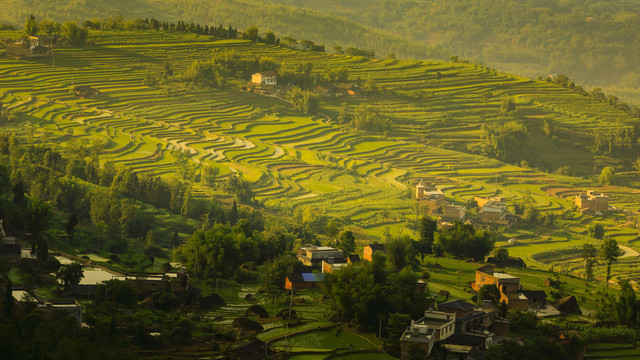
(463, 241)
(366, 293)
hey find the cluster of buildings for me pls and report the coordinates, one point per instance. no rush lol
(591, 203)
(462, 329)
(491, 210)
(32, 46)
(265, 82)
(324, 259)
(510, 290)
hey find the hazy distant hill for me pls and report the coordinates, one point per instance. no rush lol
(593, 41)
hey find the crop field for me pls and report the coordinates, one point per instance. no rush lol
(296, 161)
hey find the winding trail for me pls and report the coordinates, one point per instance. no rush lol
(628, 252)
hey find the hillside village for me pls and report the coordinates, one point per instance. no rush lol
(174, 192)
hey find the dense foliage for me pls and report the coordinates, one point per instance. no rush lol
(464, 241)
(367, 292)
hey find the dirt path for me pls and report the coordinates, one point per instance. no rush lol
(628, 252)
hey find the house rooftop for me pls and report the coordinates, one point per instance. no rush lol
(376, 246)
(504, 276)
(318, 248)
(464, 350)
(457, 305)
(307, 277)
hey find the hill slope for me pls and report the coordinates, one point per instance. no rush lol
(441, 131)
(594, 41)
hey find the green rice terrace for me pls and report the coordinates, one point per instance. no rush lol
(295, 160)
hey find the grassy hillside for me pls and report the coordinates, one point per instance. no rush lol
(592, 41)
(295, 161)
(284, 20)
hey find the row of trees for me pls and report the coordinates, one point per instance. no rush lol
(77, 35)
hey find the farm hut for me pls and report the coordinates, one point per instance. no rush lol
(85, 91)
(303, 281)
(265, 77)
(43, 41)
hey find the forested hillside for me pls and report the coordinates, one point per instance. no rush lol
(286, 21)
(593, 41)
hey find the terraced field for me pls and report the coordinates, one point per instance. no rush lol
(295, 160)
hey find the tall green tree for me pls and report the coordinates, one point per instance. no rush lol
(77, 35)
(589, 253)
(70, 274)
(501, 255)
(609, 251)
(427, 230)
(596, 231)
(31, 26)
(347, 242)
(39, 217)
(401, 252)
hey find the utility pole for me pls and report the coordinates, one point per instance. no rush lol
(286, 334)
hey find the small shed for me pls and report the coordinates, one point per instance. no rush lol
(85, 91)
(303, 281)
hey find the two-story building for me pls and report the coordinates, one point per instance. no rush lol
(313, 255)
(508, 286)
(429, 197)
(472, 323)
(265, 78)
(434, 326)
(493, 211)
(592, 202)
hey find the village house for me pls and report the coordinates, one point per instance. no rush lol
(265, 78)
(508, 286)
(18, 49)
(429, 197)
(147, 284)
(313, 255)
(330, 264)
(592, 202)
(303, 281)
(370, 249)
(32, 46)
(493, 211)
(434, 326)
(466, 329)
(453, 212)
(50, 308)
(338, 89)
(473, 323)
(45, 41)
